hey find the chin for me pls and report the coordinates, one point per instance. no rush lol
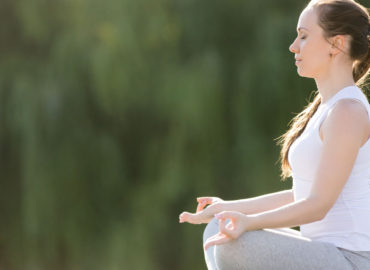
(305, 74)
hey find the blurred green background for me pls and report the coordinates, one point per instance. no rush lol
(115, 115)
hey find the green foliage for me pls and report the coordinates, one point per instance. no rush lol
(116, 115)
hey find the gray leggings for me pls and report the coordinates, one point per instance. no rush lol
(280, 249)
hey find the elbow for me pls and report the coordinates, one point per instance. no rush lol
(323, 209)
(321, 214)
(317, 214)
(319, 209)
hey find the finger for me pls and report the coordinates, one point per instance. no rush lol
(229, 230)
(221, 223)
(234, 228)
(230, 226)
(189, 217)
(184, 217)
(222, 226)
(217, 240)
(228, 214)
(215, 236)
(201, 206)
(203, 199)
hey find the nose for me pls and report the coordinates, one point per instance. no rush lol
(293, 47)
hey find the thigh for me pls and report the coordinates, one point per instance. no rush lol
(358, 259)
(209, 254)
(212, 229)
(278, 250)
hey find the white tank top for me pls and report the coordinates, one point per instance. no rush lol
(347, 224)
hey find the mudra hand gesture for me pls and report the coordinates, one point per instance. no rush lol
(228, 232)
(203, 215)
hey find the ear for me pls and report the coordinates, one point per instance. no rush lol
(339, 43)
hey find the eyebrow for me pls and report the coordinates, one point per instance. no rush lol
(299, 28)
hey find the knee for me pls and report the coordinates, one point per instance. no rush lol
(228, 256)
(239, 253)
(211, 229)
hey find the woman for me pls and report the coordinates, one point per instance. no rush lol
(327, 153)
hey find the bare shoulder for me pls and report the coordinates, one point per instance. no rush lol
(349, 110)
(350, 117)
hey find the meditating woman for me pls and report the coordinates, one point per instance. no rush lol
(326, 151)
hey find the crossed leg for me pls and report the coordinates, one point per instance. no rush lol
(275, 249)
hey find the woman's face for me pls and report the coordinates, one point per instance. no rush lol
(310, 47)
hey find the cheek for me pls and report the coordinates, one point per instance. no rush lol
(314, 50)
(314, 62)
(306, 68)
(314, 54)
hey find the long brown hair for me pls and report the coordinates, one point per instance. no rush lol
(331, 15)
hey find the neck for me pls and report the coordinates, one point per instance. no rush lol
(338, 77)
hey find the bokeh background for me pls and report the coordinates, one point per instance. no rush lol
(115, 115)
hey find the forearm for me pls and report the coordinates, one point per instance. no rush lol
(290, 215)
(260, 203)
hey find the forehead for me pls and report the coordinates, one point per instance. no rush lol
(307, 20)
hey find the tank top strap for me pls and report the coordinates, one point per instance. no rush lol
(350, 92)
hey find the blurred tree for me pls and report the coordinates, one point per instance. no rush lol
(116, 115)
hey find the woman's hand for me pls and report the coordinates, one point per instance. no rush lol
(203, 215)
(203, 201)
(238, 224)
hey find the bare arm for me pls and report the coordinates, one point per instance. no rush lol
(247, 206)
(347, 126)
(260, 203)
(294, 214)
